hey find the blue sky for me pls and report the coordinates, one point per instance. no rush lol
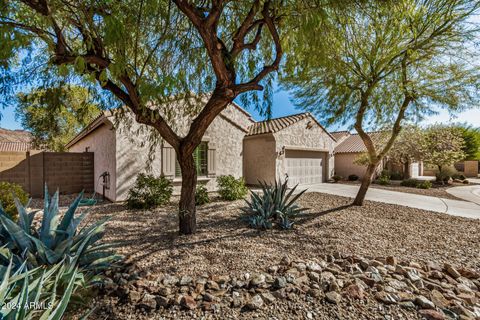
(282, 107)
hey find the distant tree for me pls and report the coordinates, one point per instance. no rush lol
(153, 56)
(407, 148)
(443, 146)
(55, 115)
(471, 137)
(375, 64)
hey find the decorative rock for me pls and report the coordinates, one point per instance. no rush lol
(185, 280)
(285, 261)
(430, 314)
(188, 302)
(333, 297)
(280, 282)
(438, 299)
(391, 261)
(424, 303)
(257, 279)
(354, 291)
(385, 297)
(452, 271)
(255, 303)
(148, 301)
(469, 273)
(313, 266)
(134, 296)
(273, 269)
(268, 297)
(212, 285)
(169, 280)
(162, 301)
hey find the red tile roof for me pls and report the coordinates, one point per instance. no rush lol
(275, 125)
(15, 140)
(15, 146)
(354, 143)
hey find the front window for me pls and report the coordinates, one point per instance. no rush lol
(200, 158)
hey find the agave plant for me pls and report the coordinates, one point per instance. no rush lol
(38, 293)
(57, 238)
(273, 203)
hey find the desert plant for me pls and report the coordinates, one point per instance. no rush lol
(424, 185)
(353, 177)
(230, 188)
(336, 178)
(47, 290)
(149, 192)
(412, 183)
(201, 195)
(56, 239)
(273, 204)
(7, 193)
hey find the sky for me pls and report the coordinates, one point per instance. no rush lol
(282, 106)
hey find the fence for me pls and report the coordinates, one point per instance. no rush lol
(66, 171)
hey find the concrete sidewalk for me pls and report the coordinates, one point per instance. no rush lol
(469, 193)
(452, 207)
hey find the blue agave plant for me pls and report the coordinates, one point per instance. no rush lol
(57, 238)
(273, 203)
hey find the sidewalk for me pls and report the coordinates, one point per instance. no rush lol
(452, 207)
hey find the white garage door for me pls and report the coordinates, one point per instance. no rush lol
(304, 167)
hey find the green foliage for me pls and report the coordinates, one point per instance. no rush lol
(384, 180)
(8, 192)
(412, 183)
(273, 204)
(424, 185)
(443, 146)
(149, 192)
(353, 177)
(445, 174)
(396, 175)
(55, 115)
(201, 195)
(336, 178)
(230, 188)
(49, 289)
(408, 147)
(471, 138)
(57, 238)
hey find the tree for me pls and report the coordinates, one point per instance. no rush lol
(55, 115)
(383, 63)
(471, 137)
(443, 146)
(154, 56)
(408, 147)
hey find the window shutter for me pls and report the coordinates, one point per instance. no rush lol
(168, 161)
(212, 161)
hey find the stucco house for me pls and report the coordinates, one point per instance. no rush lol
(233, 144)
(350, 146)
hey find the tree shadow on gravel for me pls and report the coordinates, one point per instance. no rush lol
(307, 217)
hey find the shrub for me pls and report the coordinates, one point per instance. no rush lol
(424, 185)
(396, 175)
(385, 173)
(446, 174)
(230, 188)
(201, 195)
(353, 177)
(412, 183)
(7, 193)
(149, 192)
(384, 181)
(459, 176)
(56, 239)
(336, 178)
(273, 204)
(466, 181)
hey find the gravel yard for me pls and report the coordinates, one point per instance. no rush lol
(225, 246)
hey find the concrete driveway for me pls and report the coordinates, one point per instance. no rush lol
(453, 207)
(469, 193)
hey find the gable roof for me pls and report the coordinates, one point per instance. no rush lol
(15, 140)
(354, 143)
(340, 134)
(278, 124)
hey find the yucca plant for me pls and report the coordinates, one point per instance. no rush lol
(38, 293)
(273, 204)
(57, 238)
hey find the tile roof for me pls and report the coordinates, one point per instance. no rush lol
(15, 146)
(354, 143)
(275, 125)
(340, 134)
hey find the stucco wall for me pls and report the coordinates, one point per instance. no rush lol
(259, 154)
(103, 145)
(304, 134)
(224, 134)
(345, 166)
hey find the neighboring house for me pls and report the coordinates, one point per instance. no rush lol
(15, 140)
(234, 144)
(296, 145)
(350, 147)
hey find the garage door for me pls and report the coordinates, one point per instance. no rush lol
(304, 167)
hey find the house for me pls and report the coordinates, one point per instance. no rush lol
(234, 144)
(350, 147)
(15, 140)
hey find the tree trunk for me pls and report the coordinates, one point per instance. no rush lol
(187, 211)
(406, 170)
(366, 181)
